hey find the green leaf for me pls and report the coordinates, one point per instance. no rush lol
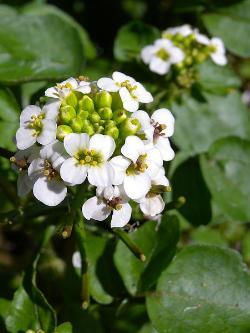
(206, 235)
(131, 38)
(9, 118)
(29, 308)
(232, 24)
(205, 289)
(217, 79)
(158, 243)
(187, 181)
(36, 46)
(64, 328)
(226, 169)
(199, 124)
(4, 309)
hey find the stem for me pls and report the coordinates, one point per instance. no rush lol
(175, 204)
(129, 243)
(6, 153)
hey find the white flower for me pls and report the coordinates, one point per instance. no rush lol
(136, 167)
(76, 260)
(184, 30)
(131, 92)
(48, 187)
(158, 129)
(20, 162)
(37, 125)
(109, 200)
(89, 157)
(161, 55)
(200, 38)
(63, 89)
(153, 204)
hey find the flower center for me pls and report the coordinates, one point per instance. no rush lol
(162, 54)
(131, 87)
(158, 129)
(21, 164)
(63, 86)
(139, 166)
(49, 171)
(89, 157)
(114, 203)
(35, 124)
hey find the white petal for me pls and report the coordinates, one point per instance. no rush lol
(24, 138)
(133, 148)
(164, 117)
(154, 162)
(102, 175)
(137, 186)
(160, 178)
(55, 153)
(72, 81)
(129, 103)
(27, 113)
(74, 143)
(95, 209)
(219, 58)
(84, 87)
(147, 53)
(52, 92)
(49, 192)
(143, 118)
(152, 206)
(48, 133)
(121, 216)
(165, 149)
(24, 184)
(163, 43)
(202, 39)
(35, 169)
(218, 43)
(159, 66)
(120, 77)
(142, 94)
(51, 110)
(120, 165)
(108, 84)
(72, 172)
(76, 260)
(176, 55)
(103, 143)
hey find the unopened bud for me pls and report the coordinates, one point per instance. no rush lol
(83, 114)
(67, 113)
(130, 126)
(94, 117)
(105, 113)
(62, 131)
(71, 99)
(103, 99)
(87, 127)
(116, 101)
(77, 124)
(112, 131)
(158, 189)
(86, 103)
(119, 115)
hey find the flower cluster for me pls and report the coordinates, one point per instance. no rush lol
(182, 46)
(94, 132)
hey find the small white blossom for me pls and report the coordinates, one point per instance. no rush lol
(44, 171)
(158, 129)
(88, 158)
(63, 89)
(109, 200)
(76, 260)
(183, 30)
(37, 125)
(161, 55)
(136, 167)
(131, 92)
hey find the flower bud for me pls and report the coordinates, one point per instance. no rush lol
(103, 99)
(112, 131)
(62, 131)
(67, 113)
(119, 116)
(83, 114)
(86, 103)
(116, 101)
(94, 117)
(105, 113)
(77, 124)
(71, 99)
(87, 127)
(130, 127)
(98, 128)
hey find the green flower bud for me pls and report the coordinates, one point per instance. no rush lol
(67, 113)
(116, 101)
(62, 131)
(99, 129)
(130, 127)
(119, 115)
(86, 104)
(109, 123)
(112, 131)
(105, 113)
(72, 100)
(103, 99)
(94, 117)
(77, 124)
(87, 127)
(83, 114)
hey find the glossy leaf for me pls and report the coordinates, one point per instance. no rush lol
(64, 328)
(205, 289)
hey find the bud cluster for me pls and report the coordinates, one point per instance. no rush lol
(93, 131)
(182, 47)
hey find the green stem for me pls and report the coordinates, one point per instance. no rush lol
(175, 204)
(129, 243)
(6, 153)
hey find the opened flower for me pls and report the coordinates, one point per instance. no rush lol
(88, 158)
(161, 55)
(183, 30)
(109, 200)
(131, 92)
(49, 188)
